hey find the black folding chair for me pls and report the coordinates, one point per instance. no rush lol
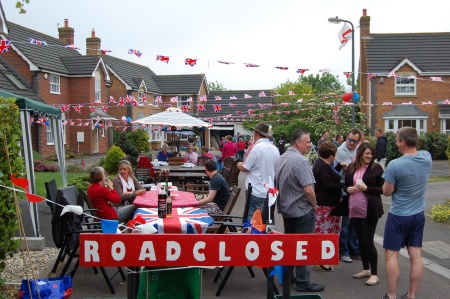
(52, 191)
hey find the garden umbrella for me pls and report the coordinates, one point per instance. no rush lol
(172, 117)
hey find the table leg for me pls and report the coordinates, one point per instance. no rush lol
(133, 282)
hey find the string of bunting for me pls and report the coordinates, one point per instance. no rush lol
(6, 44)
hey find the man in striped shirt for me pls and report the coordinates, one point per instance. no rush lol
(296, 200)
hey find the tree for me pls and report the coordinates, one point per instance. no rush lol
(215, 86)
(316, 105)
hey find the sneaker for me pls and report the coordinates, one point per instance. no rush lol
(346, 259)
(355, 257)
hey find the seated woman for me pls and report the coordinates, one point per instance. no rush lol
(105, 198)
(205, 152)
(163, 155)
(126, 185)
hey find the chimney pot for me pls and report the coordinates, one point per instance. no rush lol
(66, 23)
(364, 12)
(93, 32)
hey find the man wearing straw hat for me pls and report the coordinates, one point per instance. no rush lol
(259, 166)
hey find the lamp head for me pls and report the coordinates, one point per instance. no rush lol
(334, 20)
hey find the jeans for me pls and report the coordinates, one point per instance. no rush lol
(348, 242)
(240, 154)
(301, 225)
(255, 203)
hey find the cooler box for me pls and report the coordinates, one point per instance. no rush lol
(182, 283)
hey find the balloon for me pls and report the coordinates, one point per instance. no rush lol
(124, 118)
(356, 97)
(128, 119)
(346, 97)
(348, 88)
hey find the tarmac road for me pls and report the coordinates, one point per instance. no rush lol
(338, 284)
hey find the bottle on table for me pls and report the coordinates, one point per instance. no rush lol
(162, 203)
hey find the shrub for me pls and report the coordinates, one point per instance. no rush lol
(41, 166)
(10, 163)
(75, 168)
(112, 159)
(447, 152)
(435, 143)
(392, 149)
(441, 212)
(81, 182)
(127, 146)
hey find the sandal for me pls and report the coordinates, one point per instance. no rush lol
(323, 268)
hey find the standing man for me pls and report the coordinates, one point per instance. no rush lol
(406, 180)
(259, 166)
(323, 138)
(348, 242)
(338, 140)
(380, 148)
(297, 200)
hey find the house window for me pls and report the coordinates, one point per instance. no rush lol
(55, 84)
(446, 126)
(50, 140)
(140, 93)
(182, 101)
(405, 86)
(98, 94)
(419, 124)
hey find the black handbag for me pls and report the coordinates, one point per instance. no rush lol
(341, 209)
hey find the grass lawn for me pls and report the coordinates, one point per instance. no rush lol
(42, 177)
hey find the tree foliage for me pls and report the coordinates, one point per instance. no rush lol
(112, 159)
(10, 163)
(20, 6)
(216, 86)
(131, 143)
(311, 108)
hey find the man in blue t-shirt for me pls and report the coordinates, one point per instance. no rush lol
(406, 180)
(219, 191)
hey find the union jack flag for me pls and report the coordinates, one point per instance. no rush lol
(301, 71)
(232, 105)
(201, 107)
(163, 58)
(427, 103)
(73, 47)
(64, 108)
(144, 98)
(262, 106)
(104, 51)
(158, 99)
(4, 46)
(407, 103)
(225, 62)
(97, 102)
(233, 97)
(238, 112)
(174, 99)
(105, 109)
(92, 108)
(392, 74)
(262, 94)
(87, 123)
(247, 96)
(78, 108)
(217, 108)
(189, 99)
(217, 98)
(436, 79)
(291, 93)
(111, 100)
(287, 112)
(251, 111)
(134, 102)
(347, 74)
(284, 104)
(167, 105)
(185, 109)
(190, 61)
(188, 220)
(446, 102)
(36, 42)
(203, 98)
(251, 65)
(371, 75)
(281, 68)
(129, 98)
(121, 102)
(261, 115)
(387, 103)
(135, 52)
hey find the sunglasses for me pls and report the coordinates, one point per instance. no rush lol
(352, 140)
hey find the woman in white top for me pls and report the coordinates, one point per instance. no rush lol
(126, 184)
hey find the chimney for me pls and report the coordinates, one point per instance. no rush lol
(93, 44)
(364, 24)
(66, 33)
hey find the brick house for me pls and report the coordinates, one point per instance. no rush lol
(416, 59)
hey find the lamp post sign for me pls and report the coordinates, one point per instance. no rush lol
(266, 250)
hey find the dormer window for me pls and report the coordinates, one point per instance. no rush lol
(55, 85)
(405, 86)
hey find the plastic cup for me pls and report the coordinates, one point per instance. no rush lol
(109, 226)
(359, 181)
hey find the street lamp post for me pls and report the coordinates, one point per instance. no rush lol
(337, 20)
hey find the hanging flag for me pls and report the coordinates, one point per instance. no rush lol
(436, 79)
(158, 99)
(203, 98)
(392, 74)
(251, 111)
(225, 62)
(217, 98)
(232, 105)
(174, 99)
(190, 61)
(78, 108)
(104, 51)
(247, 96)
(233, 97)
(291, 93)
(111, 100)
(281, 68)
(129, 98)
(301, 71)
(4, 45)
(201, 107)
(189, 100)
(97, 102)
(144, 98)
(36, 42)
(105, 109)
(121, 102)
(446, 102)
(262, 94)
(345, 35)
(251, 65)
(217, 108)
(347, 74)
(163, 58)
(134, 102)
(72, 47)
(387, 103)
(92, 108)
(371, 75)
(135, 52)
(262, 106)
(185, 109)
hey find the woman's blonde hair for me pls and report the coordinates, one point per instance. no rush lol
(126, 164)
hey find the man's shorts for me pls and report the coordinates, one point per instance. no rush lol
(401, 231)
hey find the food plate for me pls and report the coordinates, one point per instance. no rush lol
(187, 165)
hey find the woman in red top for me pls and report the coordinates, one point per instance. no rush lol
(240, 149)
(229, 148)
(104, 198)
(205, 152)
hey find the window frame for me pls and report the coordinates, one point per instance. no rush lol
(55, 85)
(98, 87)
(412, 84)
(182, 100)
(49, 134)
(420, 124)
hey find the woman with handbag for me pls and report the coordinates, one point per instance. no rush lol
(363, 183)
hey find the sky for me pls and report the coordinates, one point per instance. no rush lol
(287, 33)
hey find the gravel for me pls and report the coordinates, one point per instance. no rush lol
(15, 270)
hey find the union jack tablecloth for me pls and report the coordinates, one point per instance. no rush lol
(183, 220)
